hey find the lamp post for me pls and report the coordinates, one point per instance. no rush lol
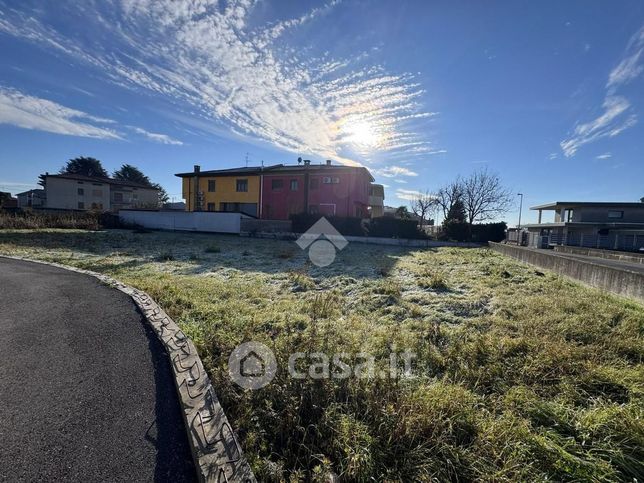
(520, 210)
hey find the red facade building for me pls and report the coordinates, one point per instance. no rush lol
(305, 188)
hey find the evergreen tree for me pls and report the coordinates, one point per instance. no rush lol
(85, 166)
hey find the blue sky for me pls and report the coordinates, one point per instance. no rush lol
(547, 94)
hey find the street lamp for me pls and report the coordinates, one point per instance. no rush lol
(520, 210)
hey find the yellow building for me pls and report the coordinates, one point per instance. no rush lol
(222, 190)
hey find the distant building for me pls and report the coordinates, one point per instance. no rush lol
(279, 191)
(31, 199)
(78, 192)
(7, 201)
(608, 225)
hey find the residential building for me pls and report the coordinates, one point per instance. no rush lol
(279, 191)
(608, 225)
(31, 199)
(377, 200)
(222, 190)
(78, 192)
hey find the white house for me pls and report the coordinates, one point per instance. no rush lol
(78, 192)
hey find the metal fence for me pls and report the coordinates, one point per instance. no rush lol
(612, 241)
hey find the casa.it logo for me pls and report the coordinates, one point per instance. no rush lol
(252, 365)
(322, 241)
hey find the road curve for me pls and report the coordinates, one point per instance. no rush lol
(87, 392)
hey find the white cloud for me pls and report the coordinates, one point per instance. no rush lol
(608, 124)
(630, 66)
(156, 137)
(605, 156)
(408, 195)
(215, 65)
(393, 171)
(616, 116)
(30, 112)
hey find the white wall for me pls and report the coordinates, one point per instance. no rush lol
(184, 220)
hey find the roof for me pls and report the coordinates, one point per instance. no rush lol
(28, 192)
(276, 168)
(602, 204)
(98, 179)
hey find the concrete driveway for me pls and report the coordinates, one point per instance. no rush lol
(86, 389)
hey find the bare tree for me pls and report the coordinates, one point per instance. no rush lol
(484, 196)
(423, 205)
(448, 195)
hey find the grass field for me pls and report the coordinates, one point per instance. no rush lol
(519, 375)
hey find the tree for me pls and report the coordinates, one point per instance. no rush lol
(447, 196)
(86, 166)
(484, 196)
(127, 172)
(402, 212)
(456, 212)
(423, 205)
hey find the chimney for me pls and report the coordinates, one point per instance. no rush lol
(328, 162)
(307, 162)
(197, 168)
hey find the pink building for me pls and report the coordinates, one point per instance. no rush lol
(305, 188)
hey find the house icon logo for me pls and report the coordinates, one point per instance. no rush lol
(252, 365)
(322, 240)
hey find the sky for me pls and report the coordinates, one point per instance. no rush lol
(546, 94)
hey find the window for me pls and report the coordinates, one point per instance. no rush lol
(314, 183)
(293, 185)
(211, 206)
(118, 197)
(277, 184)
(330, 180)
(81, 205)
(313, 209)
(135, 196)
(242, 185)
(97, 206)
(211, 187)
(97, 184)
(615, 214)
(97, 193)
(81, 192)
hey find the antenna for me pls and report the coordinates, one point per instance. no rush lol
(247, 159)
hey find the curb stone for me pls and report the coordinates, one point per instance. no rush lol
(216, 452)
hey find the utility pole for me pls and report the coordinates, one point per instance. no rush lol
(520, 209)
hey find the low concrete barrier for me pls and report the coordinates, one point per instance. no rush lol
(631, 257)
(617, 280)
(215, 222)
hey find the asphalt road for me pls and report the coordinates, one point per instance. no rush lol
(86, 391)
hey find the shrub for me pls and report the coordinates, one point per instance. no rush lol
(38, 220)
(394, 228)
(485, 232)
(456, 230)
(212, 249)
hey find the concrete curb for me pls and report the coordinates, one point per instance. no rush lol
(215, 450)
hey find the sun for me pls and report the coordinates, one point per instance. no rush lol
(362, 134)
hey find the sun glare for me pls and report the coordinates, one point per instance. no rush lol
(362, 134)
